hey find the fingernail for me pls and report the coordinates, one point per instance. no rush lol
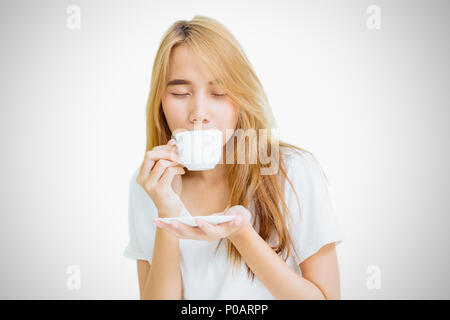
(174, 224)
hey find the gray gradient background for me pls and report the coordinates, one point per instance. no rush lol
(372, 105)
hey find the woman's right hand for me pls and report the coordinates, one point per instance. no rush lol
(159, 175)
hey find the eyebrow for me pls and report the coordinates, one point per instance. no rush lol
(185, 82)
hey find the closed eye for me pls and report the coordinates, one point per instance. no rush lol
(185, 94)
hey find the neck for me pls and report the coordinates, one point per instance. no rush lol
(208, 177)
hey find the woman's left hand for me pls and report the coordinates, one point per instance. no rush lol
(208, 231)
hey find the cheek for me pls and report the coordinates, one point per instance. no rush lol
(227, 119)
(173, 113)
(226, 116)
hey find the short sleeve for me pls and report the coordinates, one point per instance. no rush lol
(141, 229)
(315, 224)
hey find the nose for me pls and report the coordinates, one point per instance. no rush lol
(199, 116)
(199, 119)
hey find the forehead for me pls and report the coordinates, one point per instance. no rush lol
(184, 64)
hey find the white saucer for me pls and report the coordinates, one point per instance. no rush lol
(190, 221)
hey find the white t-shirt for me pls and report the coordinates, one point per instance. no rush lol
(209, 276)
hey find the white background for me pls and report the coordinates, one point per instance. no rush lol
(372, 106)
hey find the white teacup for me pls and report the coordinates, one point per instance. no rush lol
(199, 149)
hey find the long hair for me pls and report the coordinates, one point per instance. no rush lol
(224, 59)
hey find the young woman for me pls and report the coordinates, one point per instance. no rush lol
(281, 244)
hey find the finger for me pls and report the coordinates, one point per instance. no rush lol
(169, 227)
(146, 167)
(174, 147)
(190, 232)
(236, 221)
(167, 152)
(169, 173)
(170, 146)
(211, 231)
(152, 157)
(158, 169)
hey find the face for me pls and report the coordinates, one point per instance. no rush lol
(194, 101)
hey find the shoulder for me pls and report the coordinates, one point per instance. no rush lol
(306, 175)
(313, 221)
(300, 162)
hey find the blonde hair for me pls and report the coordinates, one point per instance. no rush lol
(225, 60)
